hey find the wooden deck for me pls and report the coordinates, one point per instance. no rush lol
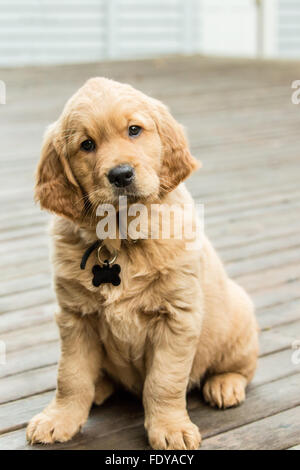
(244, 128)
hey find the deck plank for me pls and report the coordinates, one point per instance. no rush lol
(274, 432)
(118, 424)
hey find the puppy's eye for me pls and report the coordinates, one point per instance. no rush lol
(134, 131)
(88, 145)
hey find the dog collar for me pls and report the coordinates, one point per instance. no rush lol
(106, 272)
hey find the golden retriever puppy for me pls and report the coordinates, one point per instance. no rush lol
(167, 318)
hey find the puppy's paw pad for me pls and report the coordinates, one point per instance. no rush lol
(225, 390)
(181, 437)
(49, 428)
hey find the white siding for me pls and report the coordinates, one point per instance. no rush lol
(70, 31)
(156, 27)
(289, 28)
(51, 31)
(66, 31)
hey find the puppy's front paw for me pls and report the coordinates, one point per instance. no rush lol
(52, 426)
(181, 436)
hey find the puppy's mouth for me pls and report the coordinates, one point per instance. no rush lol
(130, 192)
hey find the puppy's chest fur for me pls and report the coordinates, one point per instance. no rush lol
(126, 313)
(128, 316)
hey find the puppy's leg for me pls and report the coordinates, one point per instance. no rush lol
(164, 395)
(78, 371)
(229, 377)
(103, 390)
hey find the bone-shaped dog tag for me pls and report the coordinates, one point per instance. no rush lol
(106, 274)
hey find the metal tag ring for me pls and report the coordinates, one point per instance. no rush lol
(109, 261)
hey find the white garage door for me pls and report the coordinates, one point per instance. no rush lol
(229, 27)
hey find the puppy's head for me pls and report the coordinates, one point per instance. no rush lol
(110, 140)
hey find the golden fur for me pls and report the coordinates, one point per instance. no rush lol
(176, 320)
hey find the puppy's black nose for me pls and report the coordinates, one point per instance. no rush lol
(121, 175)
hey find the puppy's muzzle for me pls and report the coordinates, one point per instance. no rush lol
(121, 176)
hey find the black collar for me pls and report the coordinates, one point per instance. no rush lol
(87, 253)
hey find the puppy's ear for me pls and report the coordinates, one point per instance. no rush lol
(177, 162)
(56, 188)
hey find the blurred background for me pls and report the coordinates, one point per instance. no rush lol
(74, 31)
(225, 68)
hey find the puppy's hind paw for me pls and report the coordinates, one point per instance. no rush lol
(225, 390)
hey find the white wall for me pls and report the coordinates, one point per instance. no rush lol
(289, 28)
(51, 31)
(69, 31)
(62, 31)
(151, 27)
